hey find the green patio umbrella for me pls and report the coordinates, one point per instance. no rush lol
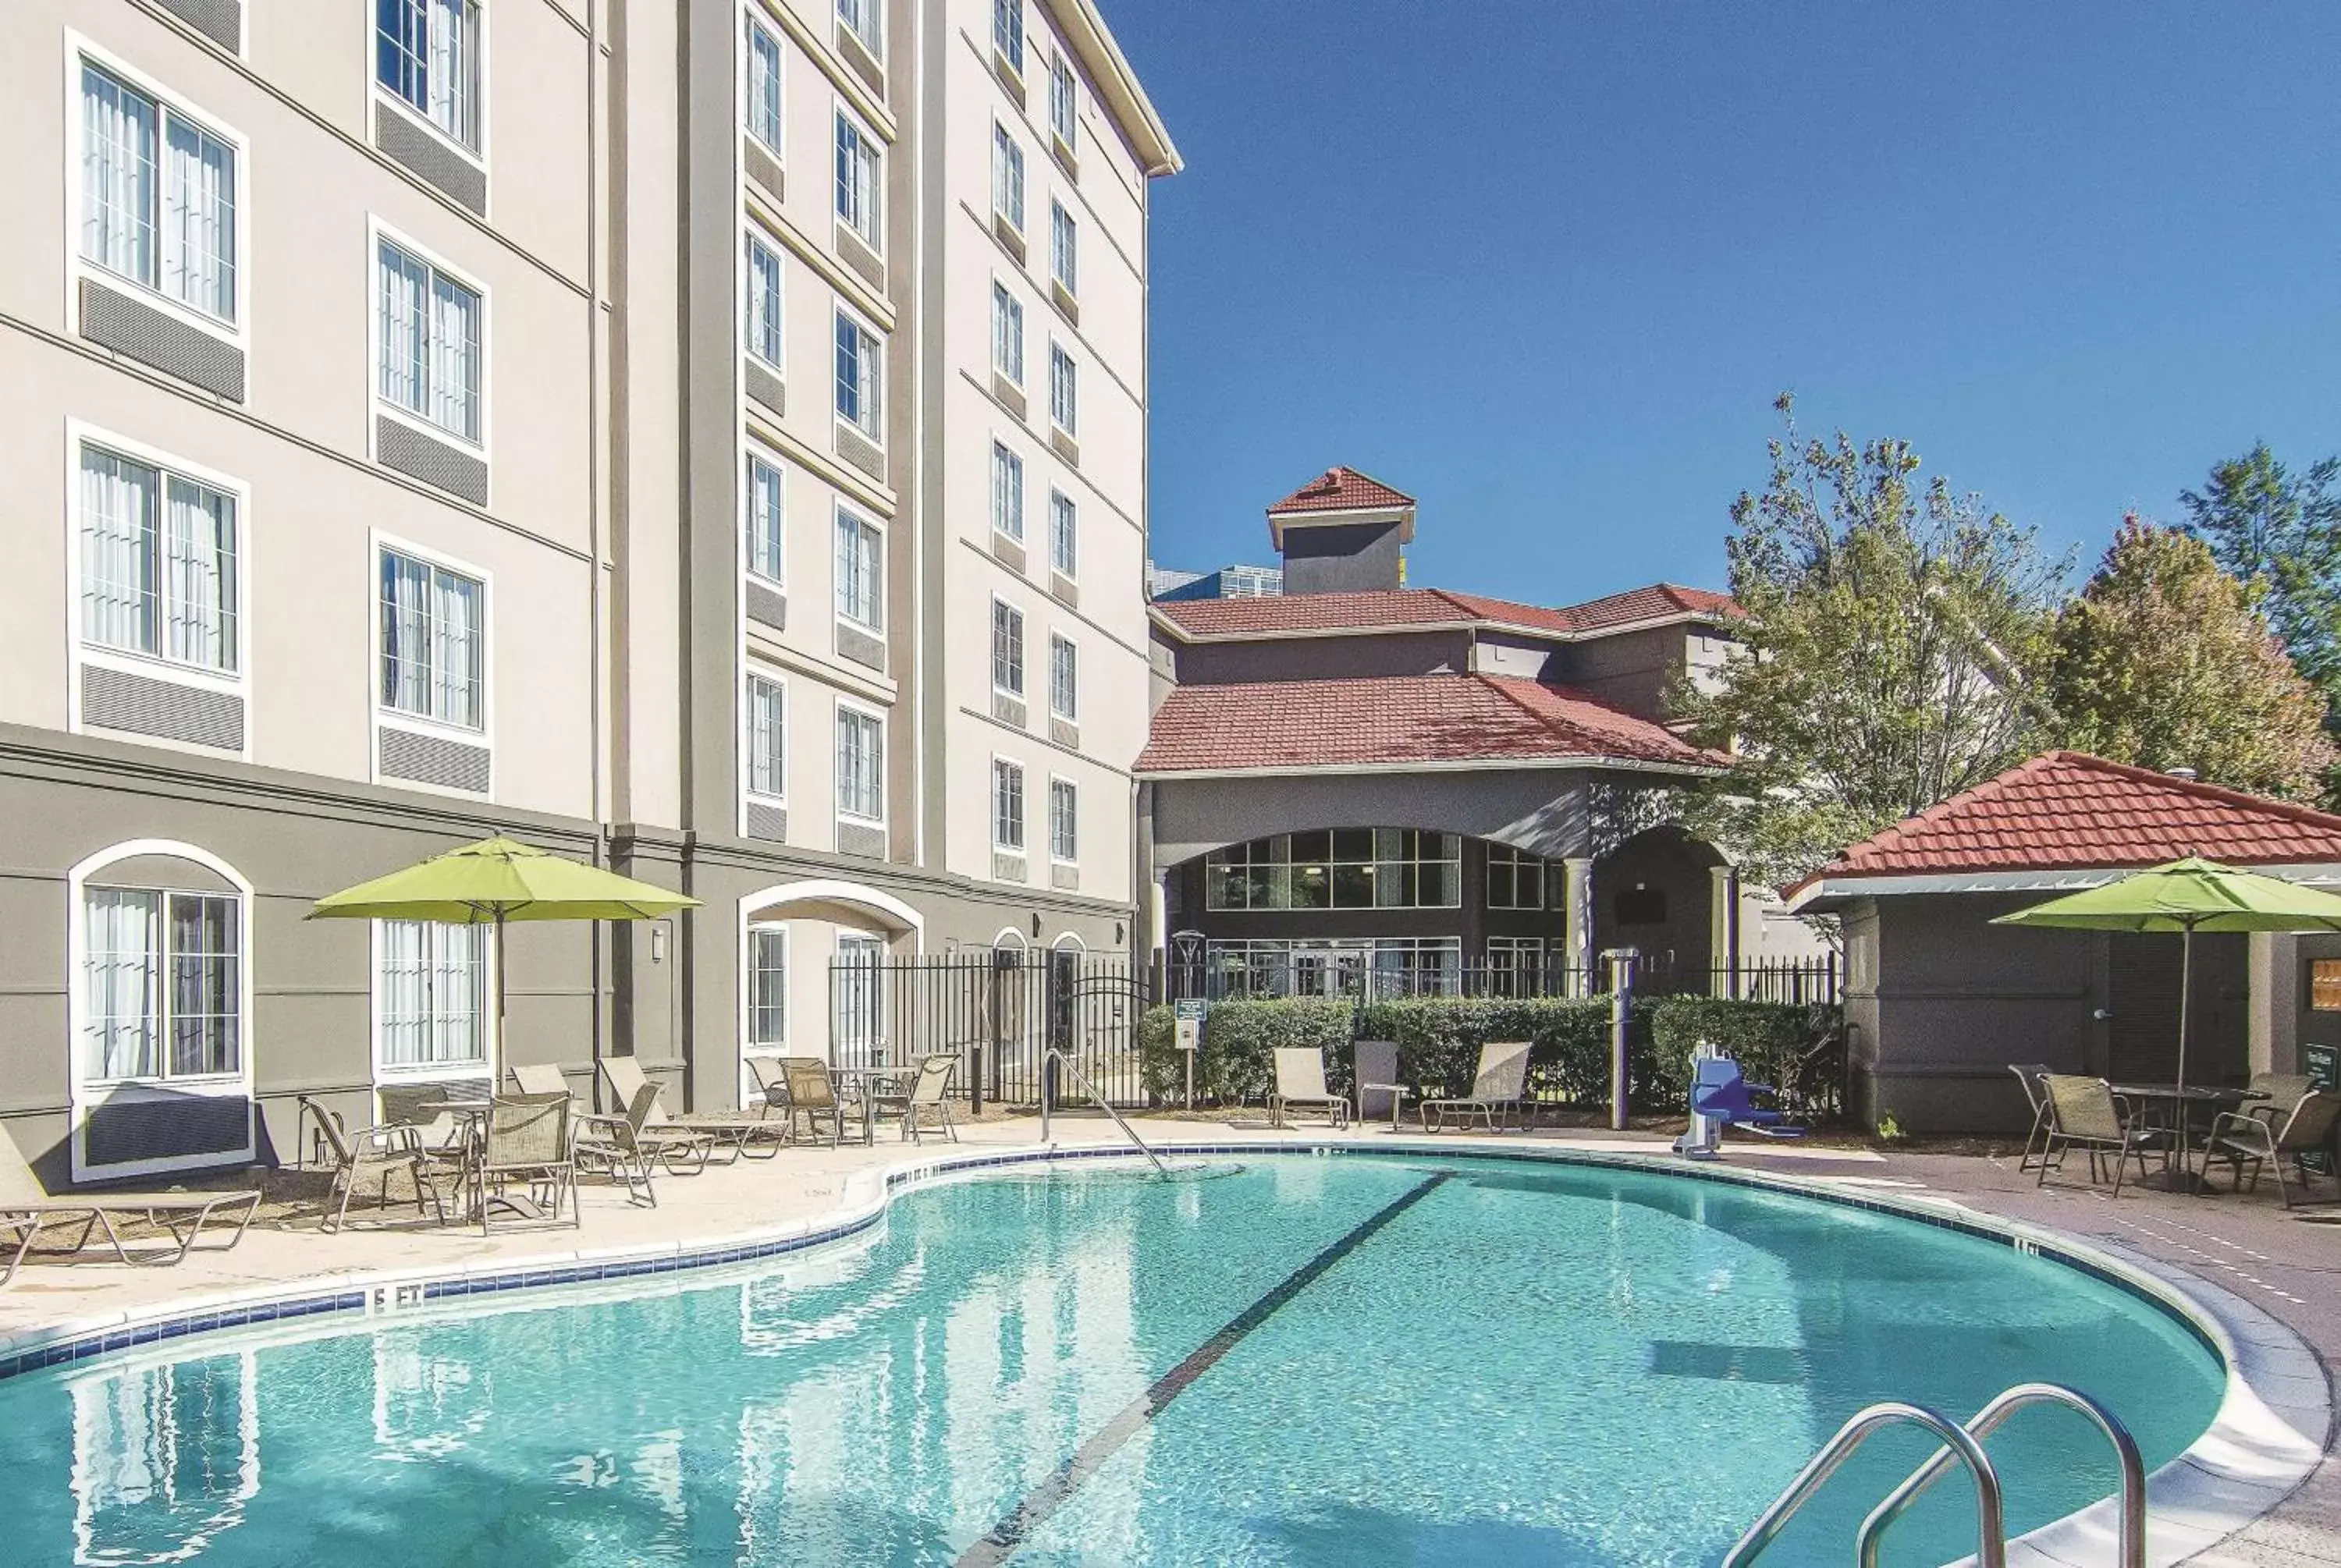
(499, 880)
(2187, 897)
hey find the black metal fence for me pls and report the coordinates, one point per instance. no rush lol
(1254, 977)
(1001, 1012)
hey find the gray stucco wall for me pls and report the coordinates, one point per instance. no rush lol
(1632, 670)
(1323, 658)
(1341, 558)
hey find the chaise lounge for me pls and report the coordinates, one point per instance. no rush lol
(27, 1208)
(1497, 1088)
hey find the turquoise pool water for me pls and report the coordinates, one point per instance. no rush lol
(1366, 1361)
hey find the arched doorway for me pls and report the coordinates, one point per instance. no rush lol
(1655, 893)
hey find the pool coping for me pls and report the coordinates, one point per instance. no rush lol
(2255, 1454)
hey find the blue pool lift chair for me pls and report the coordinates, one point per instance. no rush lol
(1721, 1097)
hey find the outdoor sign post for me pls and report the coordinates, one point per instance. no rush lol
(1189, 1037)
(1621, 1006)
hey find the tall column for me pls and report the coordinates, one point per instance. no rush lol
(1723, 930)
(1577, 878)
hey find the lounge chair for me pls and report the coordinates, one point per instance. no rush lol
(2238, 1136)
(1719, 1091)
(2028, 1074)
(928, 1092)
(27, 1209)
(1380, 1094)
(541, 1079)
(1300, 1082)
(630, 1146)
(742, 1132)
(2085, 1114)
(813, 1095)
(1496, 1087)
(375, 1152)
(525, 1140)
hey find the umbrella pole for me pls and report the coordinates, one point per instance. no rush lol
(496, 1068)
(2185, 985)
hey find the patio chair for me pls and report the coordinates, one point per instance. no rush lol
(772, 1083)
(1497, 1086)
(2028, 1074)
(370, 1152)
(28, 1209)
(740, 1132)
(928, 1092)
(1380, 1094)
(813, 1095)
(2238, 1136)
(525, 1140)
(2283, 1091)
(628, 1147)
(1301, 1081)
(2085, 1114)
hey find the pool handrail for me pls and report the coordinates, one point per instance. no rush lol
(2132, 1529)
(1049, 1094)
(1991, 1530)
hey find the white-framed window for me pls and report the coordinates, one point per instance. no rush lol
(430, 341)
(857, 1025)
(1007, 805)
(1064, 535)
(1064, 243)
(162, 986)
(1007, 649)
(861, 571)
(1007, 492)
(765, 738)
(1515, 879)
(427, 55)
(430, 997)
(860, 764)
(160, 195)
(1008, 32)
(858, 181)
(865, 21)
(434, 641)
(760, 323)
(1007, 333)
(1064, 676)
(764, 508)
(1007, 178)
(762, 102)
(1064, 102)
(1064, 820)
(768, 987)
(860, 376)
(1063, 396)
(161, 563)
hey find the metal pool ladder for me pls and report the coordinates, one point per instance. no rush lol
(1961, 1445)
(1049, 1094)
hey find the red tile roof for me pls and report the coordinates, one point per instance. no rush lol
(2069, 810)
(1393, 720)
(1397, 607)
(1341, 489)
(1658, 602)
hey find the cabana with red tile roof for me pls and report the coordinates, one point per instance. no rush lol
(1941, 1001)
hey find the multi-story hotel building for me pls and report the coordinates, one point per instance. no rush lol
(705, 438)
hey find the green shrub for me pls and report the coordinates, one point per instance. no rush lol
(1236, 1061)
(1798, 1050)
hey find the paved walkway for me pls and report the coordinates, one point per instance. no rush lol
(2282, 1263)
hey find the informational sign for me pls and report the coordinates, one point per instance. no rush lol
(1189, 1031)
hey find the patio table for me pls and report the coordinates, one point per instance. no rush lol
(1398, 1094)
(2181, 1105)
(856, 1083)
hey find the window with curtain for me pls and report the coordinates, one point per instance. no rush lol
(1065, 825)
(162, 977)
(1007, 335)
(767, 738)
(430, 342)
(1064, 238)
(763, 499)
(861, 765)
(427, 53)
(1007, 805)
(760, 331)
(863, 20)
(1007, 649)
(858, 1015)
(431, 994)
(159, 568)
(860, 572)
(1007, 178)
(768, 987)
(763, 103)
(158, 196)
(857, 178)
(1064, 104)
(1064, 549)
(1063, 399)
(1007, 492)
(434, 641)
(1008, 32)
(860, 369)
(1064, 678)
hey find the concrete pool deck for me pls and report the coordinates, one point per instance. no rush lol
(2279, 1264)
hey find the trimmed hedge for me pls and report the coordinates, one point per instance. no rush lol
(1800, 1049)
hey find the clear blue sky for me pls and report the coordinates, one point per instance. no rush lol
(1543, 264)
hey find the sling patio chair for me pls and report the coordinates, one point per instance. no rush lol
(375, 1152)
(526, 1141)
(813, 1095)
(2277, 1092)
(1496, 1088)
(1300, 1082)
(741, 1132)
(27, 1209)
(2085, 1114)
(929, 1092)
(2238, 1136)
(630, 1146)
(2028, 1074)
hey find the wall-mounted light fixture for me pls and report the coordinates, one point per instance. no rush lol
(1036, 922)
(658, 944)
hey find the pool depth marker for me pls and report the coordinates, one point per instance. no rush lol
(1001, 1541)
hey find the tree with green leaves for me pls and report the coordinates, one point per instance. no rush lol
(1893, 633)
(2280, 533)
(2163, 662)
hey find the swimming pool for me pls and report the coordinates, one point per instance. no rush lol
(1297, 1361)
